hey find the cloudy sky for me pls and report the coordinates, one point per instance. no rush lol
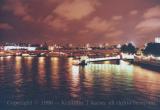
(79, 21)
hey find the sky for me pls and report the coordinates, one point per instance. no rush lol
(79, 21)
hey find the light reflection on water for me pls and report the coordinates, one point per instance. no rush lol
(18, 74)
(59, 77)
(41, 70)
(148, 83)
(29, 61)
(54, 72)
(74, 82)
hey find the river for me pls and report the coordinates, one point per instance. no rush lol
(56, 84)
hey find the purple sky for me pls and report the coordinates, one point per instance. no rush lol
(80, 21)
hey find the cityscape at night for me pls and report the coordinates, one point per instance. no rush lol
(80, 55)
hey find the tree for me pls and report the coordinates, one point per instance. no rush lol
(128, 48)
(152, 49)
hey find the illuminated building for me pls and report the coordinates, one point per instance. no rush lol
(87, 45)
(100, 45)
(157, 40)
(51, 48)
(119, 46)
(19, 48)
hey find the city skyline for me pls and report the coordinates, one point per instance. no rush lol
(80, 21)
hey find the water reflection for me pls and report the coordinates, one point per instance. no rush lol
(1, 65)
(108, 77)
(41, 70)
(55, 72)
(126, 66)
(29, 61)
(99, 76)
(87, 80)
(75, 82)
(69, 63)
(1, 58)
(147, 82)
(18, 75)
(73, 78)
(59, 77)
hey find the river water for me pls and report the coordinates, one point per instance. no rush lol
(54, 83)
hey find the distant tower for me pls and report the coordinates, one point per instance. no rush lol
(157, 40)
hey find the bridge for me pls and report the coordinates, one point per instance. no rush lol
(84, 59)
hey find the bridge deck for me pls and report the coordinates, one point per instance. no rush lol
(103, 59)
(118, 57)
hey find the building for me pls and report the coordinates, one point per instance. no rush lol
(157, 40)
(12, 46)
(19, 48)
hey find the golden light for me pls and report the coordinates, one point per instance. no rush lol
(70, 61)
(41, 70)
(54, 72)
(1, 58)
(8, 57)
(41, 60)
(75, 81)
(75, 70)
(29, 61)
(18, 64)
(18, 75)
